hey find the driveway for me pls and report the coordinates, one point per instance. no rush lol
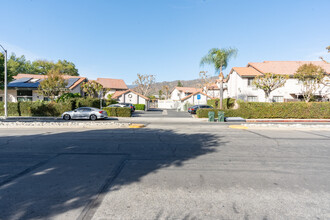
(161, 113)
(205, 171)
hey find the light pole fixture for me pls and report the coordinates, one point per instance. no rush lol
(5, 82)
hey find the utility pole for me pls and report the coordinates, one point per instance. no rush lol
(5, 82)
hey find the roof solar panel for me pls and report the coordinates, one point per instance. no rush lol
(23, 85)
(71, 81)
(25, 79)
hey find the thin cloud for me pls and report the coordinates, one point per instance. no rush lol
(317, 55)
(19, 51)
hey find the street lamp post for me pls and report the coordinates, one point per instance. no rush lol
(5, 82)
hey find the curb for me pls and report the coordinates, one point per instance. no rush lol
(30, 118)
(287, 120)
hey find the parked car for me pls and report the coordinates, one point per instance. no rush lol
(85, 113)
(123, 105)
(193, 109)
(129, 105)
(116, 106)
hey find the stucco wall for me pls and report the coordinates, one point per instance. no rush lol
(238, 88)
(176, 95)
(133, 98)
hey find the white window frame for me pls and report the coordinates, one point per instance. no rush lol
(25, 98)
(250, 82)
(278, 99)
(255, 98)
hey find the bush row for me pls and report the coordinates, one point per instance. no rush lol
(228, 103)
(275, 110)
(43, 108)
(35, 108)
(118, 112)
(140, 106)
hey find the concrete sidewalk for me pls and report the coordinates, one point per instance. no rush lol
(313, 120)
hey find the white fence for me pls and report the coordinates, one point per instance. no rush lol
(168, 104)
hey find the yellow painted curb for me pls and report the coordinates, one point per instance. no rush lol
(136, 126)
(238, 127)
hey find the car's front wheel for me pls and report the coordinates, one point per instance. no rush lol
(93, 117)
(66, 117)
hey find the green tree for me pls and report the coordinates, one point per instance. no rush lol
(166, 88)
(2, 71)
(52, 86)
(42, 67)
(269, 82)
(179, 84)
(91, 88)
(67, 68)
(219, 58)
(311, 77)
(160, 94)
(20, 65)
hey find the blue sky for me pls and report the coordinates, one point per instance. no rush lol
(118, 39)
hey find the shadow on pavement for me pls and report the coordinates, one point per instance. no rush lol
(65, 175)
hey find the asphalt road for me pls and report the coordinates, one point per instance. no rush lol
(165, 171)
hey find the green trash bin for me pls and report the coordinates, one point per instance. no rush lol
(221, 116)
(211, 116)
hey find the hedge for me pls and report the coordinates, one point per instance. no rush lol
(140, 106)
(43, 108)
(228, 103)
(275, 110)
(118, 111)
(35, 108)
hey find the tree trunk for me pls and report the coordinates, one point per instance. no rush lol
(221, 88)
(267, 97)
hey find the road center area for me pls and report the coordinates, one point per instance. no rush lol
(164, 171)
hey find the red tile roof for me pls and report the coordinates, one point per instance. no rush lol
(198, 92)
(246, 71)
(112, 83)
(285, 67)
(117, 94)
(188, 89)
(213, 87)
(36, 76)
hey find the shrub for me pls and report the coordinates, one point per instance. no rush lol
(87, 102)
(228, 103)
(140, 107)
(67, 96)
(275, 110)
(109, 102)
(204, 113)
(12, 108)
(39, 108)
(118, 111)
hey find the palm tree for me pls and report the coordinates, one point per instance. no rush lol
(166, 88)
(219, 58)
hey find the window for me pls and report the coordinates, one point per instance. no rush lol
(24, 95)
(277, 98)
(250, 81)
(24, 92)
(24, 99)
(0, 98)
(252, 99)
